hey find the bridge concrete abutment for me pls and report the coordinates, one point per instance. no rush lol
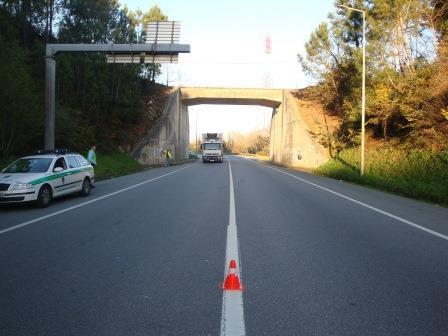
(171, 131)
(291, 141)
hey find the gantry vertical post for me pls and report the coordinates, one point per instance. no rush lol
(179, 106)
(50, 100)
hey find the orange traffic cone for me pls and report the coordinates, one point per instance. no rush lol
(232, 281)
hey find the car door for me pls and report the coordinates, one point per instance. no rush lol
(59, 178)
(74, 173)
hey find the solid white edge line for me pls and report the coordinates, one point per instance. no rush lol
(18, 226)
(385, 213)
(232, 316)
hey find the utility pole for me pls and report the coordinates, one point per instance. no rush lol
(196, 119)
(167, 76)
(268, 58)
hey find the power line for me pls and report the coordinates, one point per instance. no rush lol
(235, 63)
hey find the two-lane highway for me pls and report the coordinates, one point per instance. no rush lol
(144, 255)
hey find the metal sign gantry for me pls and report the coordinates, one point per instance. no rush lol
(159, 51)
(157, 33)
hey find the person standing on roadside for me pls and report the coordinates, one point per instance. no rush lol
(166, 155)
(91, 156)
(169, 155)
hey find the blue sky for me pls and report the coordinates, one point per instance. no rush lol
(227, 41)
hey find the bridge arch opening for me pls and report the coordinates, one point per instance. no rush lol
(233, 121)
(231, 111)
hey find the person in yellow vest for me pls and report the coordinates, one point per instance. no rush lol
(167, 155)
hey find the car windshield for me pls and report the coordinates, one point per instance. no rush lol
(212, 146)
(29, 165)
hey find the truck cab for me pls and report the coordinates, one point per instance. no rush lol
(212, 147)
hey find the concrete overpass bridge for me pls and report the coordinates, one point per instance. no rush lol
(291, 142)
(231, 96)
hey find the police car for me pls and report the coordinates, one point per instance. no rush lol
(46, 175)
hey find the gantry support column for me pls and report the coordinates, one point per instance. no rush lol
(50, 101)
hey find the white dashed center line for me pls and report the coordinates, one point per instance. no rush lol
(232, 317)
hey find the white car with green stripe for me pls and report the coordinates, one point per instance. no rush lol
(42, 177)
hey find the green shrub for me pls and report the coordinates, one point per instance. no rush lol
(417, 173)
(115, 164)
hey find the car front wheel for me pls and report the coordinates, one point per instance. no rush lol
(44, 197)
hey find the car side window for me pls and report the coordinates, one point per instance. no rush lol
(82, 160)
(72, 162)
(60, 163)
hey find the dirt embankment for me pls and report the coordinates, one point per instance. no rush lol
(322, 125)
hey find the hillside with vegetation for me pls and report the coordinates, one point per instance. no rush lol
(111, 105)
(406, 89)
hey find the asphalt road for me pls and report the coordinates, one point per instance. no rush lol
(144, 254)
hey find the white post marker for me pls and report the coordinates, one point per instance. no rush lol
(232, 316)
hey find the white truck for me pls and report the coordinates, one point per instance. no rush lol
(212, 147)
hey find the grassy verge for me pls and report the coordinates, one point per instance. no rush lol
(116, 164)
(417, 173)
(260, 157)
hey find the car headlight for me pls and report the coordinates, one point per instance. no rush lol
(20, 186)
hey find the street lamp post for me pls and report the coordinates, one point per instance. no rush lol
(196, 120)
(363, 103)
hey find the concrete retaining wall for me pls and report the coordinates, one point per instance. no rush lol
(291, 142)
(170, 131)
